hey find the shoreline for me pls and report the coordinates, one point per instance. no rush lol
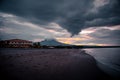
(50, 64)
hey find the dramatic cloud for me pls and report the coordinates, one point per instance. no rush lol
(72, 15)
(103, 35)
(68, 21)
(16, 27)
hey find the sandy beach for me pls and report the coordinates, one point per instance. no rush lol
(49, 64)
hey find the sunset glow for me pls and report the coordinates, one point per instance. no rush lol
(73, 28)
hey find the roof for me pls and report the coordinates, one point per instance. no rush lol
(17, 40)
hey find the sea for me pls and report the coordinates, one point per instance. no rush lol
(107, 59)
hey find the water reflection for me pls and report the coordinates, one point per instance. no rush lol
(108, 59)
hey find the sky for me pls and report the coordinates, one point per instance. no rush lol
(78, 22)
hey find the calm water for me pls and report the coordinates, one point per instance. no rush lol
(108, 59)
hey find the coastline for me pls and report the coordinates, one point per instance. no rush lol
(49, 64)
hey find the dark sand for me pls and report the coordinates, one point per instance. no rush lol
(49, 64)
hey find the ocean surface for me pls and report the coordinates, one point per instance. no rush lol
(108, 59)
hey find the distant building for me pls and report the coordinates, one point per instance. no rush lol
(16, 43)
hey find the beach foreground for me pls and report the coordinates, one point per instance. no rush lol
(49, 64)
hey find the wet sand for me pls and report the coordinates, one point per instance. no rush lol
(49, 64)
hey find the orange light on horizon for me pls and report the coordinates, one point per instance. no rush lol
(69, 40)
(73, 40)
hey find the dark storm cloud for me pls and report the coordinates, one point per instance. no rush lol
(2, 21)
(106, 34)
(72, 15)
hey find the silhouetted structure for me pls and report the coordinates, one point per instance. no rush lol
(16, 43)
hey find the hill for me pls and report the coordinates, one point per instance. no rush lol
(53, 42)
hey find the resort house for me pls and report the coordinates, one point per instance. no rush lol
(16, 43)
